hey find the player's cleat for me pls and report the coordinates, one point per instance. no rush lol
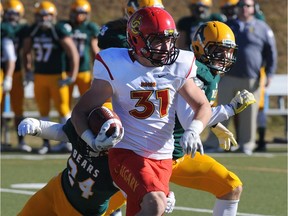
(44, 150)
(25, 148)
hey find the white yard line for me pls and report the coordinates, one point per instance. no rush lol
(176, 208)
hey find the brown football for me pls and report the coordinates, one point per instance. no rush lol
(99, 116)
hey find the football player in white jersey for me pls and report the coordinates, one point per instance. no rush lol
(144, 83)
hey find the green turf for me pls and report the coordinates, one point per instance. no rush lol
(264, 177)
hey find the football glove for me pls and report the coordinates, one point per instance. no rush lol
(7, 84)
(190, 142)
(242, 100)
(170, 202)
(67, 81)
(29, 126)
(101, 142)
(225, 137)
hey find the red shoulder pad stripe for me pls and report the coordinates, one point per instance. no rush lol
(190, 67)
(98, 57)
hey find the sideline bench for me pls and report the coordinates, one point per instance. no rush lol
(278, 88)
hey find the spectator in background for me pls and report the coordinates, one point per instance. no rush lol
(256, 49)
(13, 17)
(49, 43)
(229, 9)
(200, 13)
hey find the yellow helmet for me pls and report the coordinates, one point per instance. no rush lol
(214, 45)
(45, 7)
(81, 6)
(207, 3)
(1, 9)
(15, 6)
(134, 5)
(228, 3)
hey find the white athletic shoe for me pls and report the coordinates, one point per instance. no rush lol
(43, 150)
(25, 148)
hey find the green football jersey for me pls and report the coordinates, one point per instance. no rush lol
(49, 54)
(113, 34)
(210, 87)
(82, 36)
(17, 33)
(7, 31)
(86, 181)
(20, 34)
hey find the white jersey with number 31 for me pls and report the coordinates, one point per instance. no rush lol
(144, 98)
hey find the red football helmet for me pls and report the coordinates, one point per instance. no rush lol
(148, 25)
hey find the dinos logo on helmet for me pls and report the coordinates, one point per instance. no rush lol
(134, 24)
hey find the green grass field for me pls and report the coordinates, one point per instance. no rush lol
(264, 176)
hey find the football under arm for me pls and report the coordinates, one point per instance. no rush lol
(185, 114)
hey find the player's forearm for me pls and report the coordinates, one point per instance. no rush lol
(44, 129)
(203, 114)
(220, 113)
(73, 56)
(52, 131)
(10, 67)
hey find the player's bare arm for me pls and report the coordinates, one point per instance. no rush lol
(94, 45)
(196, 98)
(73, 55)
(27, 56)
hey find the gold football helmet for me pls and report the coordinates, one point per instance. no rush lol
(45, 8)
(134, 5)
(228, 3)
(207, 3)
(45, 14)
(229, 8)
(1, 10)
(82, 6)
(214, 45)
(13, 11)
(15, 6)
(80, 11)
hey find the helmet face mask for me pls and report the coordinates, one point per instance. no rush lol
(220, 57)
(229, 8)
(80, 11)
(155, 52)
(152, 34)
(12, 16)
(13, 11)
(214, 45)
(45, 14)
(201, 9)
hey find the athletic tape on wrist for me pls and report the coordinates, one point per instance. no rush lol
(197, 126)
